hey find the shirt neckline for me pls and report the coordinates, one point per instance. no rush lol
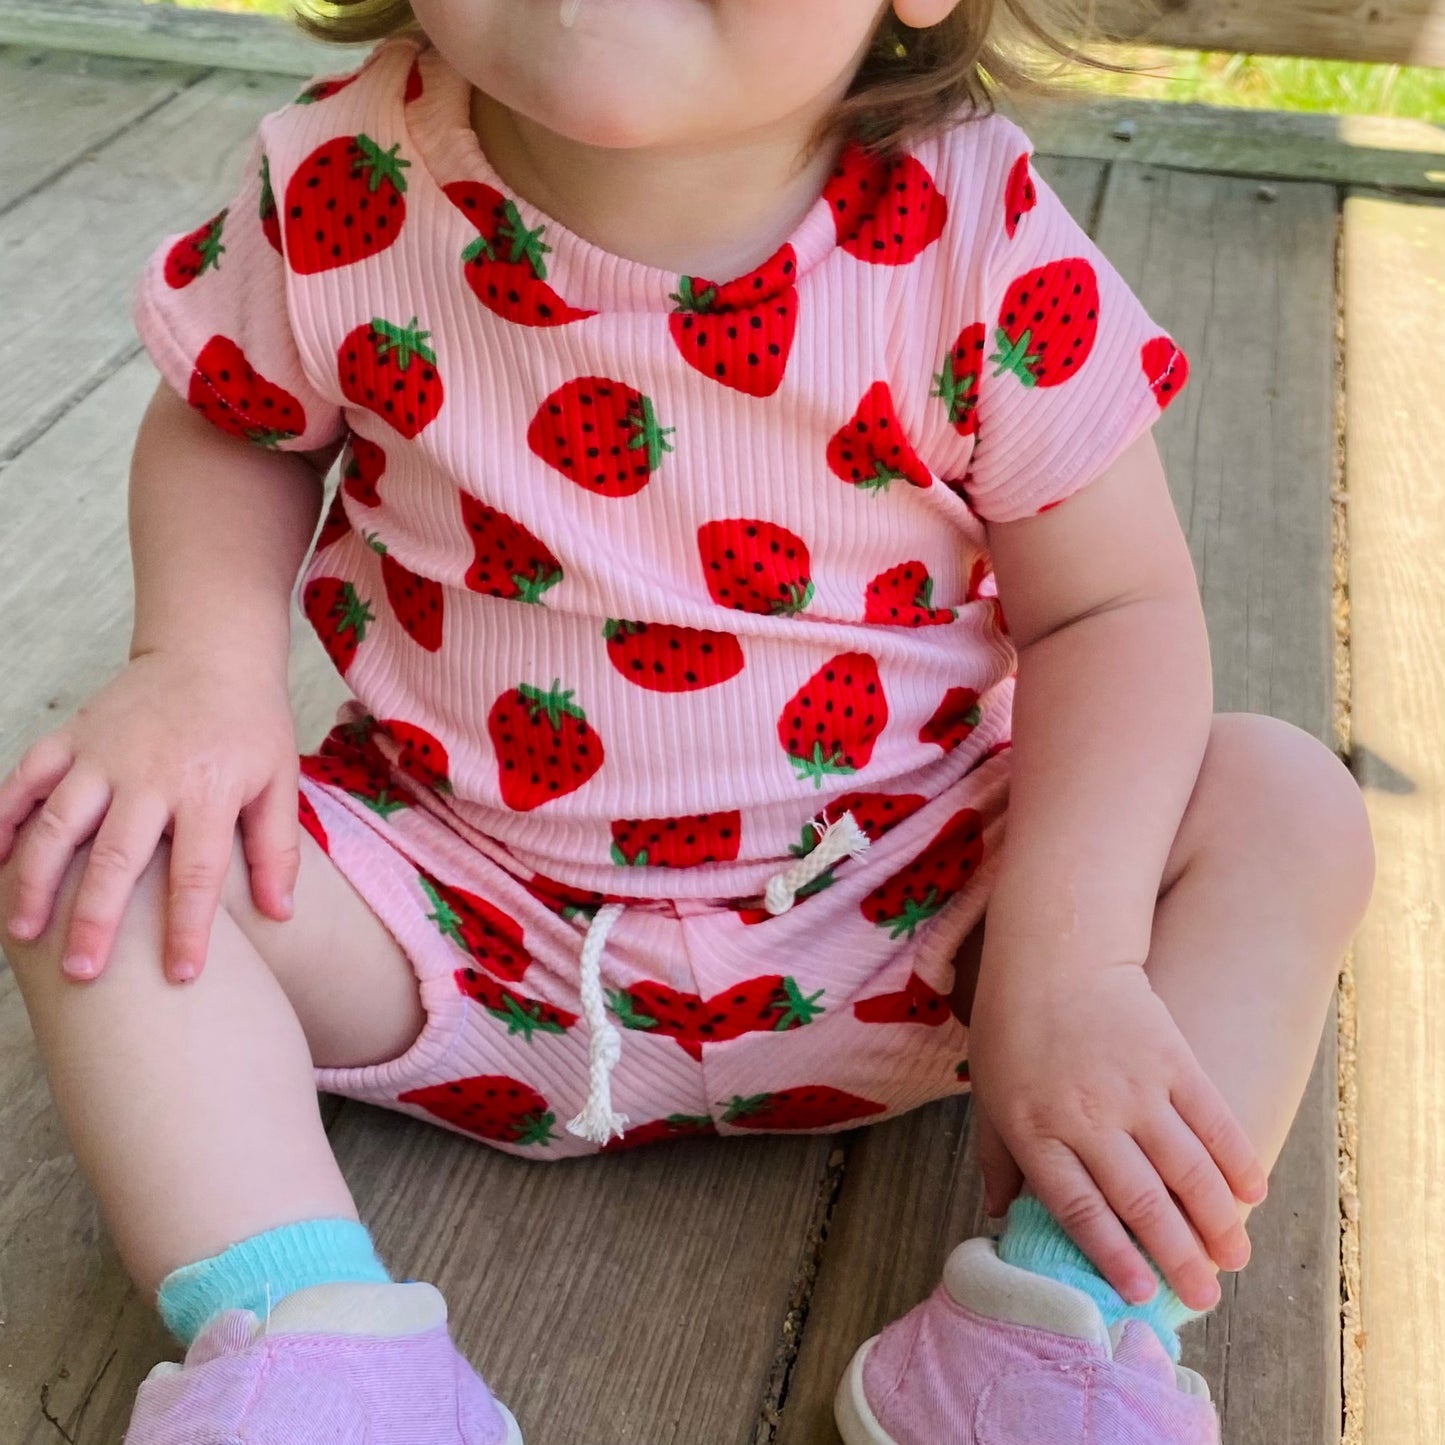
(438, 123)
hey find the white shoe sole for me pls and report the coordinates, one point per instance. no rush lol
(857, 1423)
(514, 1430)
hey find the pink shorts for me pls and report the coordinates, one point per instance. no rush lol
(728, 1018)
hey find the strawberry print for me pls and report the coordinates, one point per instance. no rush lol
(887, 211)
(346, 201)
(677, 842)
(870, 449)
(602, 434)
(306, 816)
(903, 597)
(960, 1071)
(491, 1106)
(769, 1004)
(755, 566)
(420, 754)
(953, 719)
(740, 334)
(524, 1016)
(505, 266)
(195, 254)
(809, 1106)
(665, 658)
(916, 892)
(915, 1003)
(1020, 195)
(390, 370)
(544, 745)
(659, 1131)
(508, 561)
(983, 588)
(325, 88)
(231, 394)
(1047, 324)
(334, 526)
(416, 602)
(358, 772)
(266, 211)
(956, 383)
(365, 464)
(1166, 368)
(413, 84)
(831, 723)
(493, 938)
(569, 902)
(340, 616)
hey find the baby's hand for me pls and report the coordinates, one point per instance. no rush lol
(1082, 1076)
(172, 745)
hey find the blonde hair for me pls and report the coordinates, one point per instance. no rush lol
(911, 82)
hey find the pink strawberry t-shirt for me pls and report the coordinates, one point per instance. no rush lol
(643, 571)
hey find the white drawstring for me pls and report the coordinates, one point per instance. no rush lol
(597, 1122)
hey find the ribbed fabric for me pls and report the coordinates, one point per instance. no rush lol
(1033, 1240)
(259, 1272)
(642, 570)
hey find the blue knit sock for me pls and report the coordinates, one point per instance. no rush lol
(257, 1273)
(1033, 1240)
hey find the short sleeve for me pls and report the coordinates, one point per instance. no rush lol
(211, 308)
(1071, 367)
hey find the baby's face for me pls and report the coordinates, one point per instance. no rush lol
(630, 73)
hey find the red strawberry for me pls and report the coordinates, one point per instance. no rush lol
(982, 587)
(956, 385)
(665, 658)
(525, 1016)
(508, 560)
(390, 370)
(916, 1003)
(491, 1106)
(831, 723)
(199, 252)
(543, 743)
(504, 266)
(601, 434)
(769, 1004)
(871, 450)
(677, 842)
(361, 774)
(1166, 368)
(493, 938)
(961, 1071)
(1048, 323)
(659, 1131)
(755, 566)
(306, 814)
(230, 393)
(809, 1106)
(740, 334)
(1020, 194)
(344, 202)
(339, 615)
(421, 756)
(321, 89)
(413, 84)
(953, 719)
(903, 596)
(916, 892)
(365, 463)
(416, 602)
(887, 210)
(266, 210)
(335, 526)
(567, 901)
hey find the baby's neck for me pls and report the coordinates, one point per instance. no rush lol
(715, 211)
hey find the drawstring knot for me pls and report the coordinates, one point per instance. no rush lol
(842, 838)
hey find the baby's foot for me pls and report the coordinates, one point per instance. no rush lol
(998, 1356)
(348, 1364)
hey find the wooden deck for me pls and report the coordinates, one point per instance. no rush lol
(711, 1293)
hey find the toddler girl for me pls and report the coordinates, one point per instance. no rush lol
(693, 366)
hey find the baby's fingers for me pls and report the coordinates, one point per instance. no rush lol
(201, 846)
(1186, 1167)
(270, 833)
(1204, 1110)
(47, 843)
(29, 782)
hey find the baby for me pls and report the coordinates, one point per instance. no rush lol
(694, 367)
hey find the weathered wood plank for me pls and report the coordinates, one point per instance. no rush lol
(1394, 359)
(67, 281)
(1246, 286)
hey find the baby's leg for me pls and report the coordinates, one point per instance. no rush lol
(192, 1108)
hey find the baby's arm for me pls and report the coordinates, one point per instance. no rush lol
(1112, 715)
(196, 730)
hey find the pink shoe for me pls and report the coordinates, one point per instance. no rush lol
(998, 1356)
(349, 1364)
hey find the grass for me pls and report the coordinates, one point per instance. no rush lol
(1256, 81)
